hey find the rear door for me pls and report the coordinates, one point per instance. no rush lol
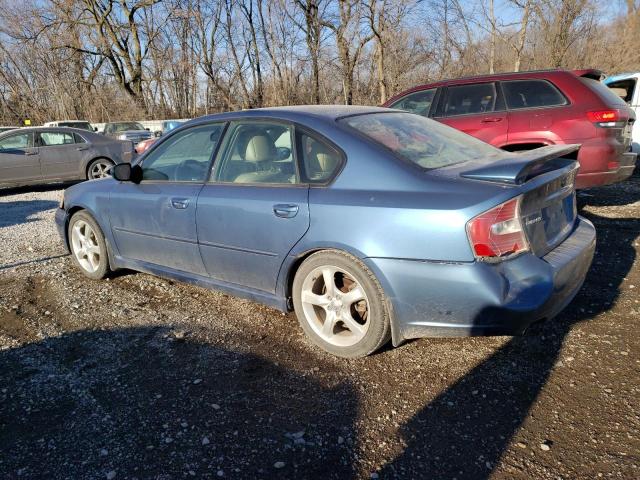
(255, 209)
(60, 156)
(535, 106)
(476, 109)
(19, 159)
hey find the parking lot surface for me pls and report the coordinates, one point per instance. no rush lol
(142, 377)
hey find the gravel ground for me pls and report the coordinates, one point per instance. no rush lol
(141, 377)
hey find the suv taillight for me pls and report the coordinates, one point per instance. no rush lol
(498, 232)
(606, 118)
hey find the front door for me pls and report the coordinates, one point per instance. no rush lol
(477, 110)
(255, 209)
(155, 221)
(60, 156)
(19, 159)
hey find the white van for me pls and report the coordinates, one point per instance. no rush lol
(624, 85)
(81, 124)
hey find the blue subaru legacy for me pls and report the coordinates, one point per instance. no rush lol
(372, 224)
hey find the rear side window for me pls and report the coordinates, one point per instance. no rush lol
(320, 161)
(416, 102)
(52, 139)
(602, 91)
(470, 99)
(531, 94)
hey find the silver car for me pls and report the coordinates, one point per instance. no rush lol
(41, 155)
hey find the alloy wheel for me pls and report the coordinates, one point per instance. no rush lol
(335, 305)
(85, 246)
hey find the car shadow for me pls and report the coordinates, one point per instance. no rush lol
(47, 187)
(22, 211)
(464, 432)
(145, 403)
(618, 194)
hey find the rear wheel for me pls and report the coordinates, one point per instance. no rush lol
(99, 168)
(88, 247)
(340, 304)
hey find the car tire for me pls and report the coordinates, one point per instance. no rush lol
(99, 168)
(349, 319)
(88, 246)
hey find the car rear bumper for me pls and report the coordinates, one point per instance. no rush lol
(607, 168)
(430, 299)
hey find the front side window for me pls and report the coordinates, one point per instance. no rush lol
(470, 99)
(319, 160)
(258, 152)
(416, 102)
(184, 157)
(623, 88)
(51, 139)
(16, 142)
(531, 94)
(420, 140)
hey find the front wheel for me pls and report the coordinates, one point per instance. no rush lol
(99, 168)
(340, 304)
(87, 245)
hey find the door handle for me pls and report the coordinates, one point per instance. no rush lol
(82, 149)
(491, 120)
(30, 153)
(285, 210)
(180, 203)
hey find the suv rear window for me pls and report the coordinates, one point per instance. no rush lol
(531, 94)
(603, 92)
(420, 140)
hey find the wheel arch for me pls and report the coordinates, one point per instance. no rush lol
(79, 208)
(291, 268)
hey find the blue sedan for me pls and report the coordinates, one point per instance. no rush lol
(372, 224)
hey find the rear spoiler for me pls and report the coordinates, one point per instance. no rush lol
(520, 167)
(591, 73)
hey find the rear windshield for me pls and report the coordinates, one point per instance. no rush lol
(424, 142)
(603, 91)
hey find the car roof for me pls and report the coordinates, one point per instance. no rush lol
(528, 74)
(325, 112)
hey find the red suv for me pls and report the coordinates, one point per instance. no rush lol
(526, 110)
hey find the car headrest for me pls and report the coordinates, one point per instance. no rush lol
(260, 148)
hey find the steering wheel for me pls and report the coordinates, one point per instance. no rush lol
(190, 170)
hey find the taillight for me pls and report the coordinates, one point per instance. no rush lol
(605, 118)
(498, 232)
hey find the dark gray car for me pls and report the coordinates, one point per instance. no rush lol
(41, 155)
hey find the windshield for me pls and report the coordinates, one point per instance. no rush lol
(424, 142)
(81, 125)
(121, 127)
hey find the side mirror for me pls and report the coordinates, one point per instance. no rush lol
(283, 153)
(121, 172)
(148, 129)
(95, 129)
(125, 172)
